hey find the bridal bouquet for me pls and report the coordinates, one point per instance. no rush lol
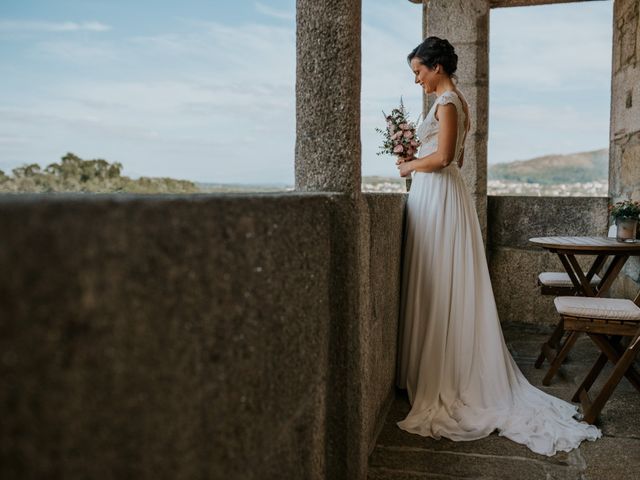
(399, 138)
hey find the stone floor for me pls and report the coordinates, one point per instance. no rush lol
(399, 455)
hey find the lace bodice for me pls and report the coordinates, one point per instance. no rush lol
(428, 129)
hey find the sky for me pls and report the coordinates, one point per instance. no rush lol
(204, 90)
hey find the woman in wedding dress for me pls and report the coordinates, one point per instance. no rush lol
(461, 380)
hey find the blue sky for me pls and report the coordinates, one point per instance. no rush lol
(204, 90)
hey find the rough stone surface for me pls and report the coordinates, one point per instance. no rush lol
(205, 336)
(514, 3)
(427, 100)
(514, 273)
(328, 155)
(164, 337)
(527, 3)
(465, 23)
(514, 264)
(624, 146)
(380, 327)
(625, 104)
(401, 455)
(328, 149)
(513, 220)
(364, 298)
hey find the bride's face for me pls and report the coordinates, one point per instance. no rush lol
(425, 76)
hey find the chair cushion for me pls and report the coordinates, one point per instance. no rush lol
(560, 279)
(595, 307)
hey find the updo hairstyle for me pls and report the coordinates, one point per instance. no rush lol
(433, 51)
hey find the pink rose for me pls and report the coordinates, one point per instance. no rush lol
(404, 126)
(396, 135)
(398, 149)
(414, 143)
(408, 134)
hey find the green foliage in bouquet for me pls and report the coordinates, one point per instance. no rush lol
(626, 208)
(399, 138)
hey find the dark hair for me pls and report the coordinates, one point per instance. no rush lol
(433, 51)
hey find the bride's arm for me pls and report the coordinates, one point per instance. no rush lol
(443, 156)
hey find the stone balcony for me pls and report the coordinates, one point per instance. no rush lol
(253, 336)
(224, 336)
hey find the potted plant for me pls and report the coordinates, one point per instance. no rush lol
(626, 215)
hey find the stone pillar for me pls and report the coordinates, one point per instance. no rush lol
(427, 100)
(465, 23)
(328, 73)
(624, 139)
(328, 159)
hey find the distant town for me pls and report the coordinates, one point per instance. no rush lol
(575, 175)
(506, 187)
(583, 174)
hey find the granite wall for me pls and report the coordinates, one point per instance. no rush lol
(624, 146)
(514, 263)
(465, 23)
(193, 336)
(380, 327)
(328, 82)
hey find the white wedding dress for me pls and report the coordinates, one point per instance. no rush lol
(453, 361)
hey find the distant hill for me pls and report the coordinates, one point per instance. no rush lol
(555, 169)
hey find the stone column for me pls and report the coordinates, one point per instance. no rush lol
(624, 139)
(328, 159)
(328, 73)
(427, 100)
(465, 23)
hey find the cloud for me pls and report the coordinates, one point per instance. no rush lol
(41, 26)
(550, 80)
(551, 47)
(528, 130)
(275, 13)
(79, 52)
(203, 98)
(76, 122)
(192, 104)
(385, 74)
(249, 51)
(13, 140)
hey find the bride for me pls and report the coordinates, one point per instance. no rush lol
(461, 380)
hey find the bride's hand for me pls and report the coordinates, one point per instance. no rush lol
(400, 159)
(405, 167)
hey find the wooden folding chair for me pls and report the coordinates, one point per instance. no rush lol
(557, 283)
(606, 321)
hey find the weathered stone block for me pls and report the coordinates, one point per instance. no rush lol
(165, 336)
(380, 325)
(513, 220)
(328, 78)
(515, 264)
(204, 336)
(461, 21)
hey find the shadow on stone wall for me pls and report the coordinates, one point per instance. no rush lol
(203, 336)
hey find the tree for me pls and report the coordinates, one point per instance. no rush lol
(30, 170)
(73, 174)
